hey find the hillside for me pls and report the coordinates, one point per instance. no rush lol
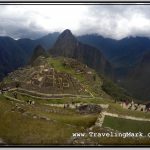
(138, 81)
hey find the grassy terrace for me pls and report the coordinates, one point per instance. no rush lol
(16, 128)
(24, 97)
(113, 107)
(127, 125)
(66, 116)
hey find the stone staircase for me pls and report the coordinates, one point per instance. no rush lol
(100, 119)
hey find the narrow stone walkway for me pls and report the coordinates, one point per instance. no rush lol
(100, 119)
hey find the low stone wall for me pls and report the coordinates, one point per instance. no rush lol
(73, 106)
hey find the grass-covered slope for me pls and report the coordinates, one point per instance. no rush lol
(115, 91)
(39, 124)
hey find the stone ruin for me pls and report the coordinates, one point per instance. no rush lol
(89, 108)
(133, 106)
(46, 79)
(47, 76)
(77, 66)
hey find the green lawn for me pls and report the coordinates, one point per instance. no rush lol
(126, 125)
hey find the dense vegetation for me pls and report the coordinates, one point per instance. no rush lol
(114, 90)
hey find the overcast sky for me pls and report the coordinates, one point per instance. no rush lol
(113, 21)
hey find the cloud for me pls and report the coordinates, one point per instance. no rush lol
(114, 21)
(118, 21)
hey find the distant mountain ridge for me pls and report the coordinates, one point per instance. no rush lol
(123, 54)
(17, 53)
(46, 42)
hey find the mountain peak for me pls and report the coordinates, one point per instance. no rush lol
(67, 35)
(38, 51)
(67, 31)
(65, 44)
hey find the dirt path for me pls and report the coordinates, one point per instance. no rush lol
(125, 117)
(11, 98)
